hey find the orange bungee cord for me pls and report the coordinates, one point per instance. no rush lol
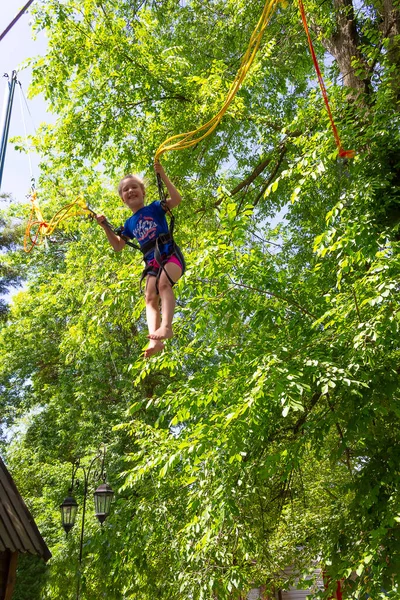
(342, 153)
(191, 138)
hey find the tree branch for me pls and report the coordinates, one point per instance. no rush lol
(273, 295)
(130, 105)
(271, 177)
(256, 172)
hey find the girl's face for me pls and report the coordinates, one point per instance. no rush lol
(132, 193)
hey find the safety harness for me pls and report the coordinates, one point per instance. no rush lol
(154, 245)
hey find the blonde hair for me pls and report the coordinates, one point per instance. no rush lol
(139, 179)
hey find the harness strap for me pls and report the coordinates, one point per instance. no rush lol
(157, 254)
(163, 202)
(161, 192)
(119, 231)
(162, 263)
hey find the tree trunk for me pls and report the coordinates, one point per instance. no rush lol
(344, 46)
(391, 29)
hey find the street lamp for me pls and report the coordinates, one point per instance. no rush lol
(69, 509)
(102, 500)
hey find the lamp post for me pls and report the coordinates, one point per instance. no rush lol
(102, 500)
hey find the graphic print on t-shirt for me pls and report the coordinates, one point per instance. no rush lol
(145, 229)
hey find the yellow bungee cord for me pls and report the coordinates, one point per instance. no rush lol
(38, 229)
(186, 140)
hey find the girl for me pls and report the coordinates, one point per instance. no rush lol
(149, 226)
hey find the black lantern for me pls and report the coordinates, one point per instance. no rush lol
(69, 509)
(102, 501)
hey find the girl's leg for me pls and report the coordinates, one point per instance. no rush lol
(164, 331)
(153, 316)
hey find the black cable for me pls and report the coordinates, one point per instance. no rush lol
(21, 12)
(27, 106)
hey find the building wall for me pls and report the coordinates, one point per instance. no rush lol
(8, 567)
(4, 562)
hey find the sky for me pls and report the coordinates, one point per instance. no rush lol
(15, 48)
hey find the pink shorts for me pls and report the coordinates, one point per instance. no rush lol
(172, 259)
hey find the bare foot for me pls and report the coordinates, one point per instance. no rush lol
(154, 347)
(162, 333)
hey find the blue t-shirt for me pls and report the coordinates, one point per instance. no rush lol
(147, 224)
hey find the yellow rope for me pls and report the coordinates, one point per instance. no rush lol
(37, 228)
(186, 140)
(176, 142)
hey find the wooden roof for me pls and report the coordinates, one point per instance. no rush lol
(18, 530)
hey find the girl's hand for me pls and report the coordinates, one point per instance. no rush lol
(101, 219)
(159, 169)
(174, 196)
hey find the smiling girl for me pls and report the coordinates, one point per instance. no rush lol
(148, 225)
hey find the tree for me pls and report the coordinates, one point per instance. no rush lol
(9, 240)
(268, 433)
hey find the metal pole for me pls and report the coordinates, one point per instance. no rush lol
(7, 119)
(86, 475)
(85, 490)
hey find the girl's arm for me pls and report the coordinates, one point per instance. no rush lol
(116, 242)
(174, 196)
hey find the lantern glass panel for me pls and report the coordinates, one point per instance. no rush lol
(69, 510)
(102, 501)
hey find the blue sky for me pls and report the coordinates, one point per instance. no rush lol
(15, 48)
